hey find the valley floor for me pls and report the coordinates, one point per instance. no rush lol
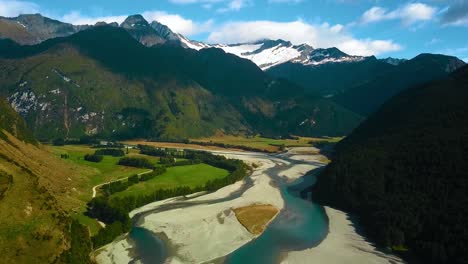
(204, 228)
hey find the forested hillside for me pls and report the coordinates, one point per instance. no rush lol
(103, 82)
(363, 86)
(331, 78)
(368, 96)
(404, 172)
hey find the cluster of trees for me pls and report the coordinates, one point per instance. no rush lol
(98, 154)
(115, 152)
(237, 174)
(156, 171)
(114, 210)
(172, 162)
(238, 170)
(404, 173)
(129, 203)
(93, 157)
(226, 145)
(116, 219)
(136, 162)
(80, 245)
(161, 152)
(168, 161)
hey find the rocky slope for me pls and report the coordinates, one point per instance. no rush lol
(35, 28)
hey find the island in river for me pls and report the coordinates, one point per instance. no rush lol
(204, 228)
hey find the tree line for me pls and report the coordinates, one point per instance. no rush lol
(114, 210)
(119, 186)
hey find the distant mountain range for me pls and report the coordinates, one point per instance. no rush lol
(140, 79)
(363, 86)
(101, 81)
(33, 29)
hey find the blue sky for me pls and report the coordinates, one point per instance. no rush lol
(397, 28)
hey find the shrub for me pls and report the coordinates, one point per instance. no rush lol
(93, 157)
(157, 171)
(136, 162)
(110, 152)
(58, 142)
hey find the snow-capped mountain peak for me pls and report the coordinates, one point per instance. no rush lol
(265, 53)
(268, 53)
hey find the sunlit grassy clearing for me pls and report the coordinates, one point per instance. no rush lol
(190, 176)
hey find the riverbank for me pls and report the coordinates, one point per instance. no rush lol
(342, 245)
(210, 230)
(205, 228)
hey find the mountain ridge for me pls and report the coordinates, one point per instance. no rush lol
(267, 54)
(165, 91)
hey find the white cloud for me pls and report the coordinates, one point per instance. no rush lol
(15, 8)
(235, 5)
(175, 22)
(178, 23)
(408, 14)
(77, 18)
(298, 32)
(375, 14)
(222, 5)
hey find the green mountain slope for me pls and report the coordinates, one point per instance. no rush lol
(363, 86)
(13, 124)
(404, 172)
(330, 78)
(36, 198)
(102, 81)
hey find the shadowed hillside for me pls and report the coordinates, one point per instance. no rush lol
(403, 172)
(367, 97)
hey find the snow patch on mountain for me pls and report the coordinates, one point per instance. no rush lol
(263, 57)
(23, 101)
(269, 53)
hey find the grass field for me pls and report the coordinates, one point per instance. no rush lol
(190, 176)
(32, 229)
(262, 143)
(104, 171)
(108, 170)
